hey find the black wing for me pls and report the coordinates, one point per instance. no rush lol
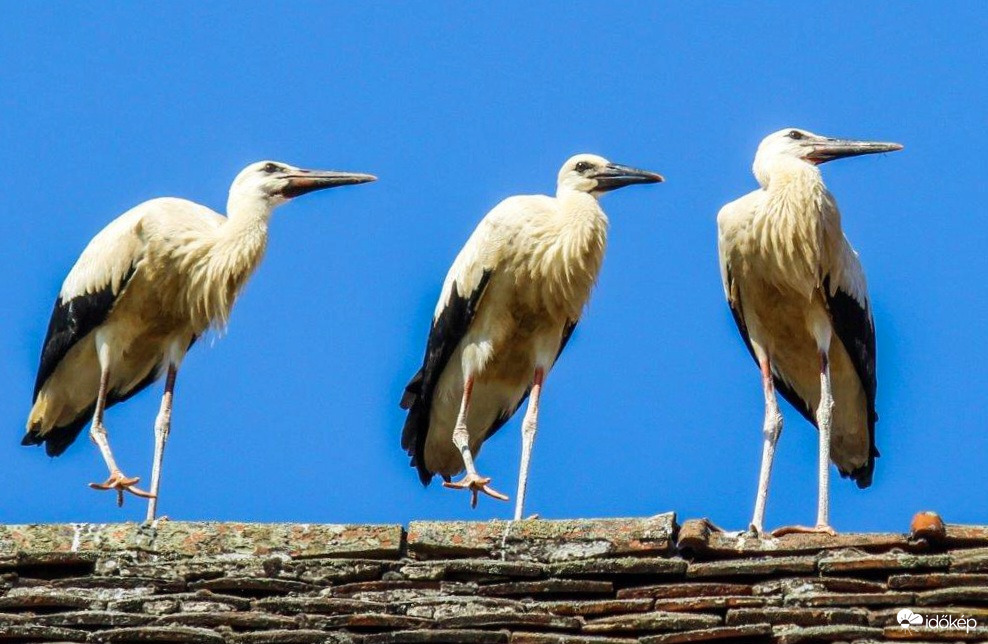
(446, 333)
(788, 393)
(855, 327)
(70, 322)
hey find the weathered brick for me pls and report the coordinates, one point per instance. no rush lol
(974, 560)
(512, 621)
(690, 589)
(159, 604)
(458, 636)
(335, 571)
(653, 567)
(539, 540)
(92, 619)
(760, 567)
(837, 632)
(566, 638)
(548, 587)
(703, 539)
(718, 633)
(712, 604)
(570, 582)
(300, 636)
(796, 585)
(181, 538)
(930, 581)
(13, 619)
(595, 607)
(171, 634)
(887, 562)
(652, 621)
(377, 621)
(253, 586)
(958, 595)
(43, 597)
(475, 569)
(37, 633)
(234, 619)
(316, 605)
(851, 599)
(445, 607)
(899, 634)
(965, 536)
(797, 616)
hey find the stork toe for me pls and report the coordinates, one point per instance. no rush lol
(120, 483)
(476, 485)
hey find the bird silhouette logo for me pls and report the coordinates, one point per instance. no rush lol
(908, 619)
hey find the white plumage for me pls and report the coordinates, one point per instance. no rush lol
(799, 297)
(140, 294)
(507, 307)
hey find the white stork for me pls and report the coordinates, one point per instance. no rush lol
(798, 295)
(508, 305)
(142, 291)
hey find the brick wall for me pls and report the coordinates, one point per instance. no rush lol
(612, 581)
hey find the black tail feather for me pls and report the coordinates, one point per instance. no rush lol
(416, 427)
(58, 439)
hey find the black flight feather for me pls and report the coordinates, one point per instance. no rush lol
(70, 322)
(855, 328)
(446, 333)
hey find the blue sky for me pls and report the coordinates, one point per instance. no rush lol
(655, 404)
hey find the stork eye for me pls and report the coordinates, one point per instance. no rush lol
(583, 166)
(270, 168)
(795, 135)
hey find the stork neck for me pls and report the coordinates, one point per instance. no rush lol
(781, 173)
(577, 201)
(247, 212)
(229, 258)
(245, 234)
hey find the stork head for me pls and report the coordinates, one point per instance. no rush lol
(271, 183)
(596, 175)
(793, 148)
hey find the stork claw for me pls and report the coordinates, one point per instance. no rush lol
(475, 484)
(121, 484)
(802, 529)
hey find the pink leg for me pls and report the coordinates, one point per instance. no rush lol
(461, 438)
(97, 431)
(529, 427)
(771, 429)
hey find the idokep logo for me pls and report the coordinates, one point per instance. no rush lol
(909, 620)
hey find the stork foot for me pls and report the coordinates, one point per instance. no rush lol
(753, 532)
(121, 484)
(476, 484)
(802, 529)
